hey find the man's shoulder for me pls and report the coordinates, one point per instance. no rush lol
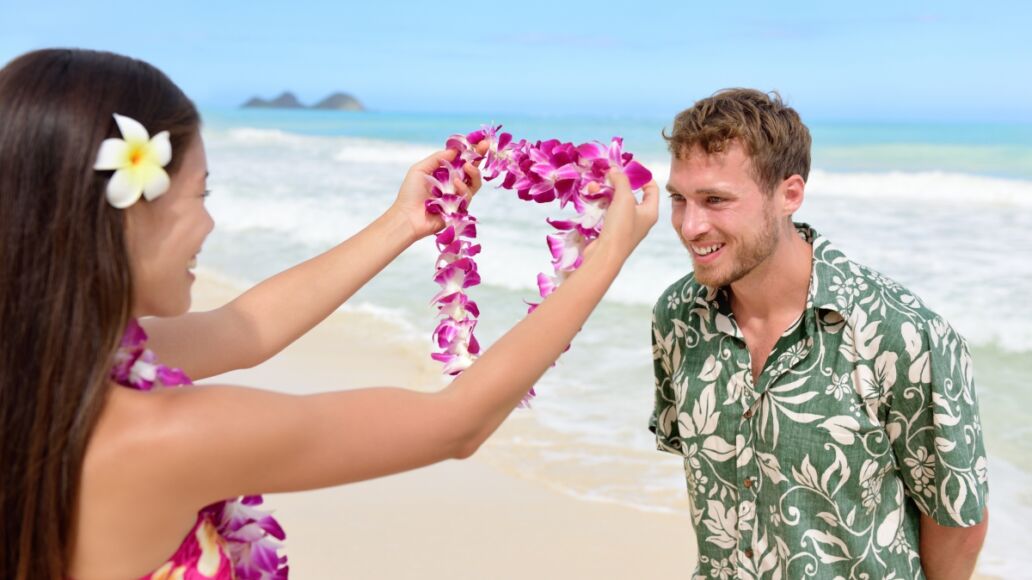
(877, 297)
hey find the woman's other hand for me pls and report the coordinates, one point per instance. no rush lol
(627, 221)
(410, 204)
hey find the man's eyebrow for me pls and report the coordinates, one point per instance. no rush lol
(713, 191)
(702, 191)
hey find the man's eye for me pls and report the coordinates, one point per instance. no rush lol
(712, 200)
(676, 198)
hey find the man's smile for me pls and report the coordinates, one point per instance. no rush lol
(705, 253)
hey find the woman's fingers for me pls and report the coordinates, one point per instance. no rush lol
(618, 180)
(461, 188)
(650, 201)
(434, 160)
(622, 195)
(627, 220)
(474, 176)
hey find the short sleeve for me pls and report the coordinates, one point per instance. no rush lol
(663, 421)
(934, 427)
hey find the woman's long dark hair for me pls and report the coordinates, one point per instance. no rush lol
(65, 285)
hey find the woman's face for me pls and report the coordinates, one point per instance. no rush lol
(165, 236)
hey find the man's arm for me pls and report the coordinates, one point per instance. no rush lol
(936, 436)
(949, 553)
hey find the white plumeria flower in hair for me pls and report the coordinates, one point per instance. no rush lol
(137, 160)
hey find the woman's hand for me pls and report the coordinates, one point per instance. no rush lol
(627, 221)
(415, 190)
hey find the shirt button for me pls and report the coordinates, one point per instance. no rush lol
(747, 414)
(748, 553)
(747, 483)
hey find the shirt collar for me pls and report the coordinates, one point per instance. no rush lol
(828, 263)
(825, 264)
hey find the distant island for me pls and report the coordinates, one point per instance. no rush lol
(334, 102)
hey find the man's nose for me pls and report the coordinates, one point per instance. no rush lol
(693, 223)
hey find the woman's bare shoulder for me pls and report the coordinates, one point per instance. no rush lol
(130, 514)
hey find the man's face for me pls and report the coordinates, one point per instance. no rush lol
(723, 217)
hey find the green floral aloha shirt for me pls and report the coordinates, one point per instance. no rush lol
(864, 416)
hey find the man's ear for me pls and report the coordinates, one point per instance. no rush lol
(792, 191)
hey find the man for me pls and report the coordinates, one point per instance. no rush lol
(827, 419)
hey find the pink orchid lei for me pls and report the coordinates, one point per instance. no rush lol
(542, 172)
(251, 535)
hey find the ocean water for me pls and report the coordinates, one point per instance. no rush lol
(944, 209)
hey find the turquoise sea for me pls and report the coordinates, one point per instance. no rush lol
(945, 209)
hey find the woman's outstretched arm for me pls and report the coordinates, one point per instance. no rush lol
(256, 441)
(278, 311)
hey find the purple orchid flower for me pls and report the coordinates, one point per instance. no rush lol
(136, 366)
(567, 250)
(455, 277)
(252, 538)
(636, 173)
(458, 306)
(501, 154)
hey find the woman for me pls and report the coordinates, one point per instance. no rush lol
(103, 481)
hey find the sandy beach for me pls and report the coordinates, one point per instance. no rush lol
(471, 519)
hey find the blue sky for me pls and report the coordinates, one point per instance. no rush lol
(875, 60)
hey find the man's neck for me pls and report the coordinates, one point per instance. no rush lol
(779, 285)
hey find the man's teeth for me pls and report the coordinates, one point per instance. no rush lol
(706, 250)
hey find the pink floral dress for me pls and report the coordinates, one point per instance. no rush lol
(232, 538)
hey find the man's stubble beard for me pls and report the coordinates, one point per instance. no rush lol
(753, 253)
